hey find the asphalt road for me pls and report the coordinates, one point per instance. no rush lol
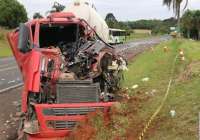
(10, 76)
(142, 43)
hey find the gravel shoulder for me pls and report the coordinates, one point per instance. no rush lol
(10, 107)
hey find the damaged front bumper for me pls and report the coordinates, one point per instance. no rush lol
(56, 121)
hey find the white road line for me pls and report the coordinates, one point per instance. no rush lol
(11, 87)
(10, 68)
(6, 65)
(7, 59)
(13, 81)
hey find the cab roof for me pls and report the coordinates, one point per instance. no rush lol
(57, 17)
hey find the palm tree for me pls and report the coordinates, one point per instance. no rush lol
(187, 22)
(176, 4)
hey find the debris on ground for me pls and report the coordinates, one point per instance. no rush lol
(134, 86)
(146, 79)
(172, 113)
(152, 92)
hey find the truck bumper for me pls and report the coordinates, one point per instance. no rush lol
(56, 121)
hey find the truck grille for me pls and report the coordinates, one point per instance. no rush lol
(78, 91)
(70, 111)
(62, 124)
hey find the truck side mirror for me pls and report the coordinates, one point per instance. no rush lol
(24, 38)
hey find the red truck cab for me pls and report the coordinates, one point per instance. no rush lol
(67, 71)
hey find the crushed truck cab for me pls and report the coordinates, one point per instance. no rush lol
(68, 72)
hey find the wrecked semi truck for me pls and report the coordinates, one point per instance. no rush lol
(68, 72)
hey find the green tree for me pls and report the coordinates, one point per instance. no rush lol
(12, 13)
(111, 17)
(176, 4)
(187, 22)
(111, 21)
(197, 22)
(37, 15)
(190, 24)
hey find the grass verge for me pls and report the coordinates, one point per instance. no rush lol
(5, 50)
(136, 36)
(130, 115)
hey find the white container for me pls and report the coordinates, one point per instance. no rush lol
(86, 10)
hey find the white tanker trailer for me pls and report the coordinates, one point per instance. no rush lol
(86, 10)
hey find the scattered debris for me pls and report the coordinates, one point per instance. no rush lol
(146, 79)
(183, 58)
(153, 91)
(123, 66)
(135, 86)
(172, 113)
(126, 88)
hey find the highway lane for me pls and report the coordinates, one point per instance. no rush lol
(149, 42)
(10, 76)
(131, 49)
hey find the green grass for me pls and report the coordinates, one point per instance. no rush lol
(136, 36)
(130, 115)
(4, 46)
(184, 95)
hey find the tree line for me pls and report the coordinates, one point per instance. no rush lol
(190, 24)
(157, 26)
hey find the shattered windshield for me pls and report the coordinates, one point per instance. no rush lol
(53, 34)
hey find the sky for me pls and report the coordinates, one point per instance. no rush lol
(124, 10)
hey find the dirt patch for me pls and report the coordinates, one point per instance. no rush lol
(127, 110)
(191, 71)
(134, 125)
(88, 129)
(156, 124)
(123, 123)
